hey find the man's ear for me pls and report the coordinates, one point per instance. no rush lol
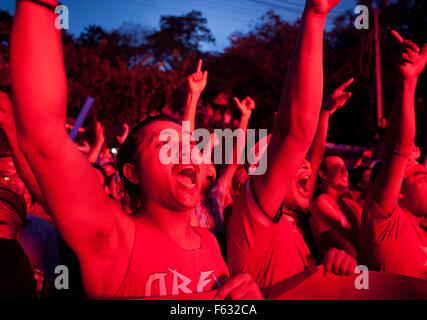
(130, 172)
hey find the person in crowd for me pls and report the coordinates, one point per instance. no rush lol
(152, 253)
(107, 172)
(391, 236)
(227, 118)
(360, 183)
(262, 237)
(41, 244)
(38, 237)
(110, 179)
(16, 276)
(7, 125)
(218, 117)
(105, 156)
(365, 160)
(209, 213)
(335, 216)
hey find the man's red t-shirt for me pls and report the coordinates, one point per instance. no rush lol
(159, 267)
(393, 243)
(275, 255)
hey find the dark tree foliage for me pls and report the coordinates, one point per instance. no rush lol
(351, 52)
(133, 71)
(179, 37)
(255, 65)
(5, 28)
(92, 35)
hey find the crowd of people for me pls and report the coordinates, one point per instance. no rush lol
(126, 225)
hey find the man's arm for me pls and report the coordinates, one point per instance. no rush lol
(296, 121)
(99, 143)
(329, 216)
(7, 123)
(336, 99)
(246, 106)
(197, 83)
(85, 217)
(400, 135)
(323, 209)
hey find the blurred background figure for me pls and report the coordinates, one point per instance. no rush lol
(16, 276)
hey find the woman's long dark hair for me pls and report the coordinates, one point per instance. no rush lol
(128, 153)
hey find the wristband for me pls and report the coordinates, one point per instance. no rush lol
(42, 3)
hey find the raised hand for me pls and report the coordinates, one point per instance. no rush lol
(338, 97)
(339, 262)
(99, 132)
(240, 287)
(6, 113)
(198, 80)
(411, 61)
(246, 105)
(321, 6)
(125, 134)
(416, 153)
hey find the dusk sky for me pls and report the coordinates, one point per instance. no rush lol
(224, 17)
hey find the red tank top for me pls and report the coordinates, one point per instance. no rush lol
(159, 267)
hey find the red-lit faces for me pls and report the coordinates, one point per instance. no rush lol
(10, 177)
(174, 186)
(298, 196)
(414, 192)
(365, 182)
(335, 174)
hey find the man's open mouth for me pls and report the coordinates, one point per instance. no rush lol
(186, 175)
(302, 183)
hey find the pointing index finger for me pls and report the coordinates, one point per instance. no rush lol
(199, 66)
(397, 36)
(346, 84)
